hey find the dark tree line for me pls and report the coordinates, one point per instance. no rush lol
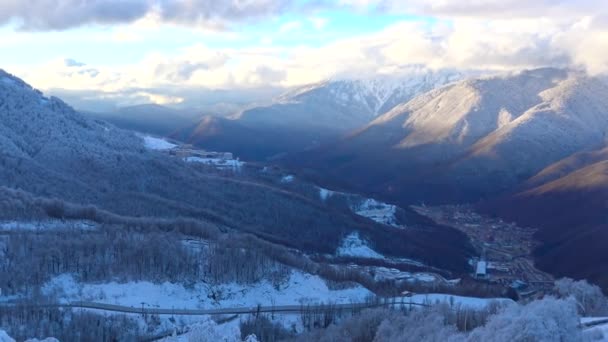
(26, 321)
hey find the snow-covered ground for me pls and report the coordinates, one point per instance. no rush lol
(386, 273)
(598, 332)
(46, 225)
(587, 320)
(208, 330)
(378, 211)
(324, 194)
(157, 143)
(373, 209)
(354, 246)
(301, 288)
(217, 162)
(288, 179)
(5, 338)
(468, 302)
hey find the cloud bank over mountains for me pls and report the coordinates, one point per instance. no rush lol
(64, 14)
(481, 34)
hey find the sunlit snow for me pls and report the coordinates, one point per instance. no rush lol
(157, 143)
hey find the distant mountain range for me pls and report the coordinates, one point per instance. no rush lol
(149, 118)
(526, 146)
(310, 116)
(470, 140)
(49, 150)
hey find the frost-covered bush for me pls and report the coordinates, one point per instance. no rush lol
(421, 325)
(209, 331)
(589, 297)
(545, 320)
(4, 337)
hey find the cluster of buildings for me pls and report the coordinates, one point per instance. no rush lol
(188, 151)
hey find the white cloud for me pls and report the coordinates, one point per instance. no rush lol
(486, 9)
(125, 36)
(545, 33)
(290, 27)
(319, 23)
(65, 14)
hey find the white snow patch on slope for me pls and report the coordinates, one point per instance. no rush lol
(217, 162)
(468, 302)
(386, 273)
(378, 211)
(288, 179)
(354, 246)
(209, 331)
(157, 143)
(598, 333)
(4, 337)
(593, 319)
(324, 194)
(300, 288)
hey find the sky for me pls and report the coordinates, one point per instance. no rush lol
(123, 52)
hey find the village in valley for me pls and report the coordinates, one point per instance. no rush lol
(504, 248)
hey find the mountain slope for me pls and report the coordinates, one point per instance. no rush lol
(149, 118)
(567, 202)
(50, 150)
(247, 142)
(308, 116)
(471, 139)
(342, 105)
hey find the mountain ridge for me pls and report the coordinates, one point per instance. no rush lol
(476, 137)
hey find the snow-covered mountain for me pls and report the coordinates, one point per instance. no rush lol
(376, 95)
(312, 115)
(49, 150)
(477, 136)
(341, 105)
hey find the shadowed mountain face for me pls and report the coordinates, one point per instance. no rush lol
(469, 140)
(149, 118)
(309, 116)
(249, 142)
(49, 150)
(568, 202)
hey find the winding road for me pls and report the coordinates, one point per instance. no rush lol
(279, 309)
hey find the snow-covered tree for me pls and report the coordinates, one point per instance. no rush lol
(4, 337)
(546, 320)
(209, 331)
(422, 325)
(590, 299)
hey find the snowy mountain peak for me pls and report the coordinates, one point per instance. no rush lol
(466, 111)
(376, 95)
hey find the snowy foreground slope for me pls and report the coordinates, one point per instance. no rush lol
(300, 288)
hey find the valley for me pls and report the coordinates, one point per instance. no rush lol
(141, 227)
(506, 251)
